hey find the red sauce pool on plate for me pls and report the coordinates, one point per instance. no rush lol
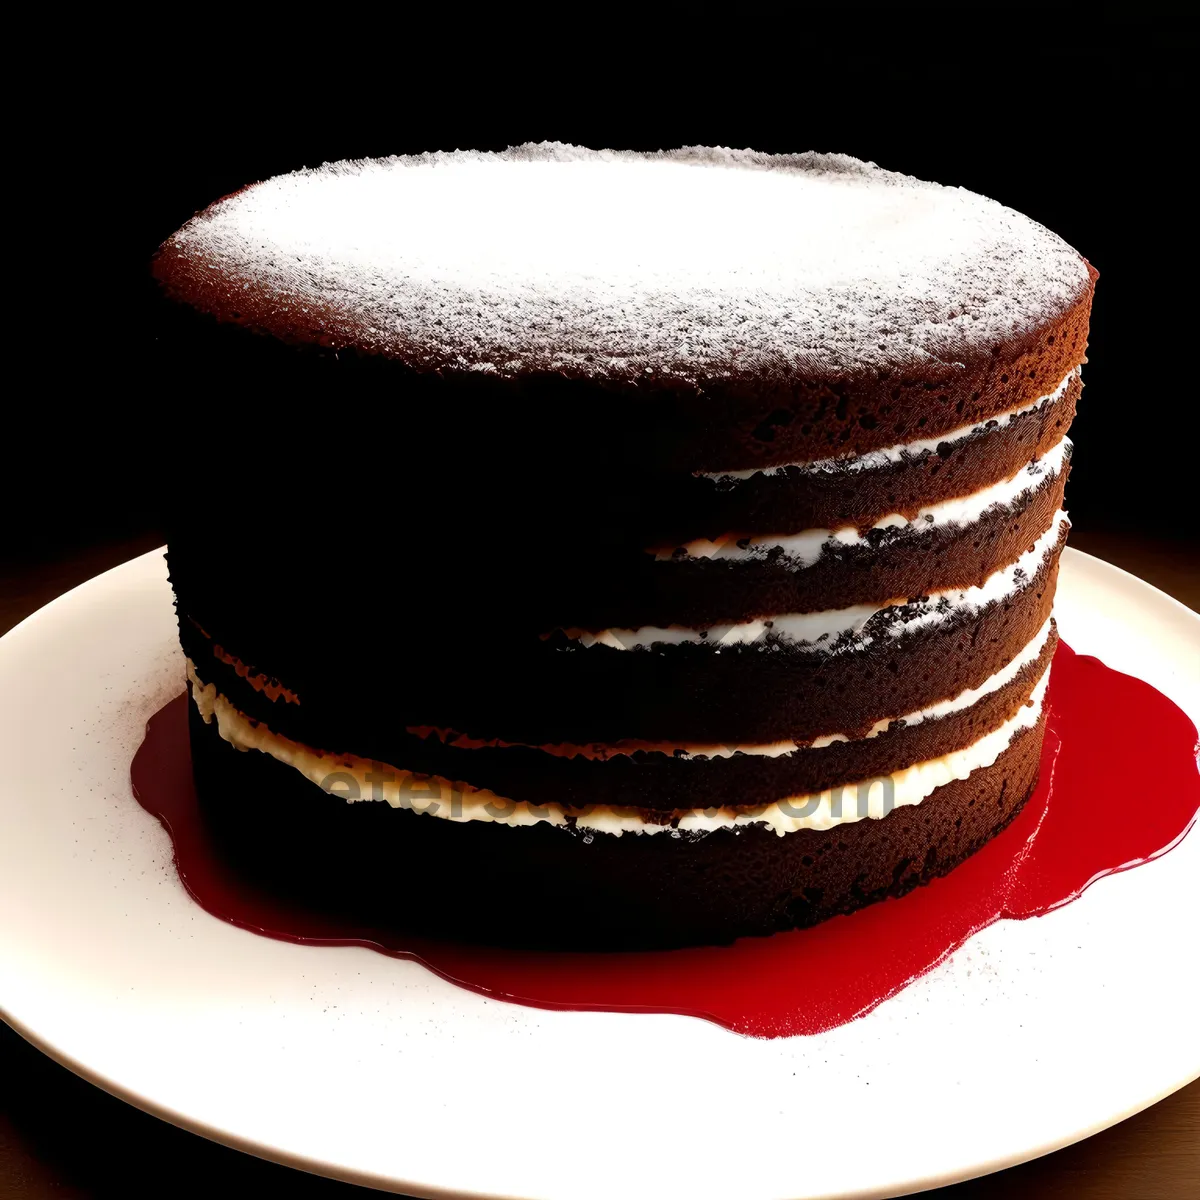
(1119, 786)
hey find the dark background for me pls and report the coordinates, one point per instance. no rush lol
(1077, 117)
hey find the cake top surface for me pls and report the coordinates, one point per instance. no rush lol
(687, 264)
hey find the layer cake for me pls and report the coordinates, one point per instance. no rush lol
(613, 549)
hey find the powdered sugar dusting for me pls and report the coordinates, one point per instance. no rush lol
(693, 263)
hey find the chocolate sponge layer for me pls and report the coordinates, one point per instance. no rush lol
(891, 563)
(743, 416)
(546, 885)
(361, 679)
(658, 784)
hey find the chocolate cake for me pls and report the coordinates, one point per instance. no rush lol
(614, 549)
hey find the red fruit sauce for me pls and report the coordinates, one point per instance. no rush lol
(1110, 739)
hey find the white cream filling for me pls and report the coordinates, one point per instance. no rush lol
(355, 779)
(258, 680)
(602, 751)
(828, 628)
(803, 549)
(874, 459)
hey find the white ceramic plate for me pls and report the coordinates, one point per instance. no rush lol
(348, 1063)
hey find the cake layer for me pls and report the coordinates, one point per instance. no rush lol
(725, 777)
(804, 548)
(577, 887)
(1031, 654)
(623, 788)
(757, 685)
(574, 567)
(352, 779)
(859, 491)
(857, 309)
(954, 544)
(835, 630)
